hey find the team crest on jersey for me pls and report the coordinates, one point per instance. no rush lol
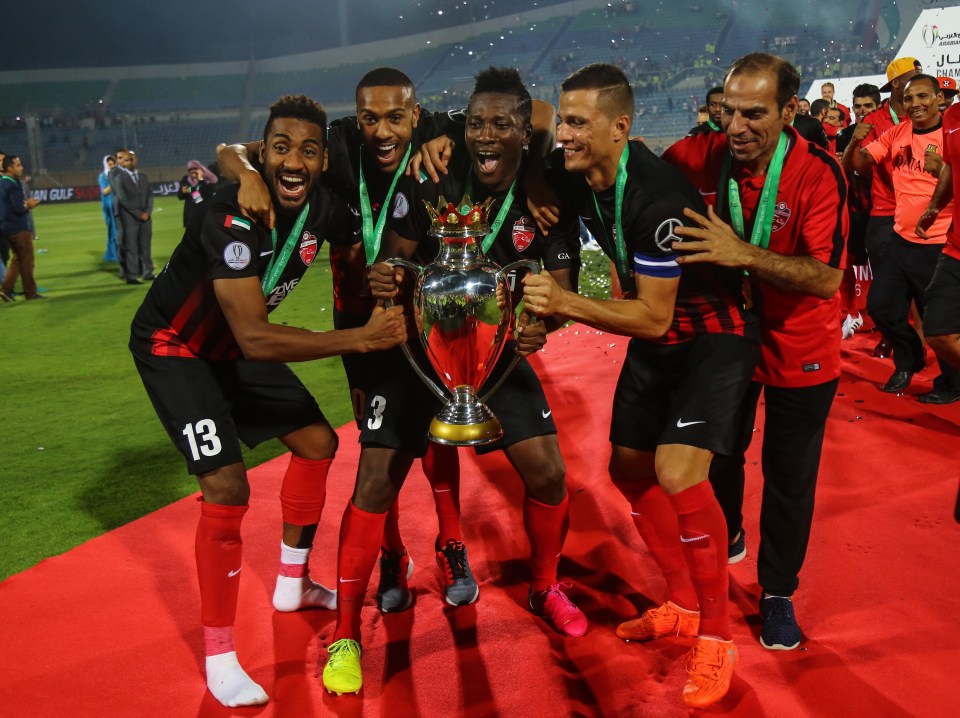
(308, 248)
(236, 255)
(400, 206)
(523, 230)
(781, 215)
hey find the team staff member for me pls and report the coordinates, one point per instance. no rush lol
(889, 114)
(713, 105)
(911, 152)
(941, 323)
(15, 227)
(866, 98)
(786, 201)
(368, 155)
(688, 364)
(209, 359)
(487, 164)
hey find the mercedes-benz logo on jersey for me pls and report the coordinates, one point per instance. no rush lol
(236, 255)
(666, 235)
(400, 206)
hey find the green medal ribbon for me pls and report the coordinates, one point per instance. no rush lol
(763, 221)
(713, 125)
(501, 215)
(372, 235)
(893, 115)
(623, 269)
(9, 179)
(279, 263)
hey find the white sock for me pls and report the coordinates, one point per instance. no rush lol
(293, 593)
(230, 684)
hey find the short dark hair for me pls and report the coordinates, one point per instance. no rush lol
(122, 149)
(386, 77)
(924, 78)
(297, 107)
(614, 94)
(8, 161)
(788, 79)
(713, 91)
(505, 81)
(818, 106)
(867, 90)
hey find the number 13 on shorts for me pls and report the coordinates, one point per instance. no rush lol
(203, 439)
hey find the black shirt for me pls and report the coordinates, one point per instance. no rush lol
(180, 315)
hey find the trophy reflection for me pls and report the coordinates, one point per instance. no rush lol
(463, 312)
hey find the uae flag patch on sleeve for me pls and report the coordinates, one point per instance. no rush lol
(238, 222)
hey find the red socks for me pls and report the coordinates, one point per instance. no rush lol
(392, 540)
(546, 528)
(304, 490)
(219, 550)
(656, 522)
(360, 534)
(703, 535)
(441, 464)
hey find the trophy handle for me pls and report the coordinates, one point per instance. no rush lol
(534, 268)
(405, 347)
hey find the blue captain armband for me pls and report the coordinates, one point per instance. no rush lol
(660, 265)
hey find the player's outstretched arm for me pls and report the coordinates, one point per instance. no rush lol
(239, 163)
(649, 316)
(242, 303)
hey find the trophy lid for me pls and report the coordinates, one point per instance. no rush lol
(463, 220)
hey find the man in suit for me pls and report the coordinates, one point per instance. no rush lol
(136, 208)
(113, 176)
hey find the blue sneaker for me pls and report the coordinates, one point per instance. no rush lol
(779, 631)
(737, 551)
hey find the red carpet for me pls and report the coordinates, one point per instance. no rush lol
(111, 628)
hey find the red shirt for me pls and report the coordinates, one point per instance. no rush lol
(882, 200)
(902, 149)
(951, 155)
(800, 333)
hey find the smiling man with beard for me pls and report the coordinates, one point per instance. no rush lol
(486, 164)
(210, 360)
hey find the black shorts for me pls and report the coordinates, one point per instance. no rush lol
(857, 240)
(683, 393)
(941, 315)
(398, 407)
(208, 408)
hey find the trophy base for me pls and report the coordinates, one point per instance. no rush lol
(464, 421)
(452, 434)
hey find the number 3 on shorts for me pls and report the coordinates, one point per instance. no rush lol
(207, 431)
(378, 404)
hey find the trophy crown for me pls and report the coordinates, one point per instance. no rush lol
(462, 220)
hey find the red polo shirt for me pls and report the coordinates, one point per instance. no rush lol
(882, 200)
(800, 332)
(951, 155)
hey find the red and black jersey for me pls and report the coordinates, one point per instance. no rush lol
(351, 298)
(800, 332)
(709, 300)
(180, 315)
(951, 155)
(518, 237)
(882, 199)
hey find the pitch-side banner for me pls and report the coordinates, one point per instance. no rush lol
(934, 41)
(89, 193)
